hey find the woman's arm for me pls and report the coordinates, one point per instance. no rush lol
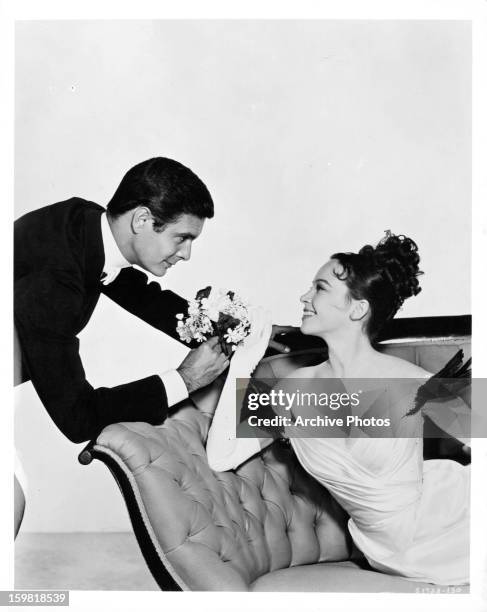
(225, 451)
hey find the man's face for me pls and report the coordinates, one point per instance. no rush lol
(157, 251)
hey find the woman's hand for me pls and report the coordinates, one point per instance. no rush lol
(253, 348)
(280, 330)
(225, 451)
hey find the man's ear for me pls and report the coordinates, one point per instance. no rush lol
(141, 219)
(359, 310)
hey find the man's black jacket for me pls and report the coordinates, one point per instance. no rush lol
(58, 262)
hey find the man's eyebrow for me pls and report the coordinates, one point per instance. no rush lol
(187, 235)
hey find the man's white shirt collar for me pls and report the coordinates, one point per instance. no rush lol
(114, 260)
(174, 384)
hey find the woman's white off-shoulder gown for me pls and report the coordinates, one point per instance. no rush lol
(408, 516)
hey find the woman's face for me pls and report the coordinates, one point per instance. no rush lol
(327, 303)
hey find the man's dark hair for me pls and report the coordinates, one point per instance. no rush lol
(166, 187)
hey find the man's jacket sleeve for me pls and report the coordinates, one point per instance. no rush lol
(157, 307)
(48, 308)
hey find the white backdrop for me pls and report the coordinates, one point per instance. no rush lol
(312, 136)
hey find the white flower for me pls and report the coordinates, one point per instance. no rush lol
(213, 314)
(216, 303)
(236, 335)
(232, 336)
(204, 312)
(193, 308)
(184, 333)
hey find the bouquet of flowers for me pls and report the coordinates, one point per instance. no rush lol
(215, 313)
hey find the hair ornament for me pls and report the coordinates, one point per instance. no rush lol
(388, 234)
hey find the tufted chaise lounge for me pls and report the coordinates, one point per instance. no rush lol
(267, 526)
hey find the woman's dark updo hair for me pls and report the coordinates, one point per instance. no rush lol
(384, 276)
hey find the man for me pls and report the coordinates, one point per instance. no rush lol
(66, 254)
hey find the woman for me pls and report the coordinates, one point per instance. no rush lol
(409, 518)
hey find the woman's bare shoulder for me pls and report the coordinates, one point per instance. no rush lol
(316, 371)
(395, 367)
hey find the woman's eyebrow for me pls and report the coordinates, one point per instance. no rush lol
(322, 280)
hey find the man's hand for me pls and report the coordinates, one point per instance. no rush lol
(278, 330)
(203, 364)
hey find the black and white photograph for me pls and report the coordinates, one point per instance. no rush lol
(205, 203)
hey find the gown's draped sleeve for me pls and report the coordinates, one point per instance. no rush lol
(446, 398)
(453, 415)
